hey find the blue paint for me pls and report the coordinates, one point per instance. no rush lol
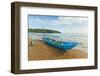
(60, 44)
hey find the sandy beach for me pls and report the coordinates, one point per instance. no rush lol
(42, 51)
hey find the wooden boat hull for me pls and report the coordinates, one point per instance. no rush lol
(59, 44)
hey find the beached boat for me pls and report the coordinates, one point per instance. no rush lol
(60, 44)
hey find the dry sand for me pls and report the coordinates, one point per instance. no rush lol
(42, 51)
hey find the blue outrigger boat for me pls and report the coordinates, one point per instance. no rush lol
(60, 44)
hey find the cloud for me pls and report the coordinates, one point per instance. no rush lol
(62, 24)
(73, 21)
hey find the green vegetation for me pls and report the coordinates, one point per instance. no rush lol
(43, 31)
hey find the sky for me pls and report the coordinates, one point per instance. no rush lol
(64, 24)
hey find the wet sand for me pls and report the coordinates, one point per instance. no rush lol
(42, 51)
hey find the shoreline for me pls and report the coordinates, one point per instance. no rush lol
(42, 51)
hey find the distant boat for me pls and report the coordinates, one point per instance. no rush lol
(60, 44)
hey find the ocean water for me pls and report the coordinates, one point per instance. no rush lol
(82, 39)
